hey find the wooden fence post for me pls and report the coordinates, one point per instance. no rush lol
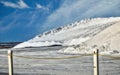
(10, 62)
(96, 62)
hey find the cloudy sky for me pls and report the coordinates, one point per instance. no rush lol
(21, 20)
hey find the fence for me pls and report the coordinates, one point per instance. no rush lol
(95, 61)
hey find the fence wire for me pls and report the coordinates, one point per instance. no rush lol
(87, 63)
(58, 58)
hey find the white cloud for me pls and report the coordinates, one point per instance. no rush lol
(38, 6)
(10, 4)
(6, 23)
(73, 10)
(21, 4)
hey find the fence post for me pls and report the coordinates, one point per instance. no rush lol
(10, 62)
(96, 62)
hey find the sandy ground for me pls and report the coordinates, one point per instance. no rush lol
(74, 66)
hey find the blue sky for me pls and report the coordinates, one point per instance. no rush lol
(21, 20)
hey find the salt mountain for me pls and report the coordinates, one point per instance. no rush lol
(72, 34)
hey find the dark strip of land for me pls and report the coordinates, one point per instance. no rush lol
(8, 44)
